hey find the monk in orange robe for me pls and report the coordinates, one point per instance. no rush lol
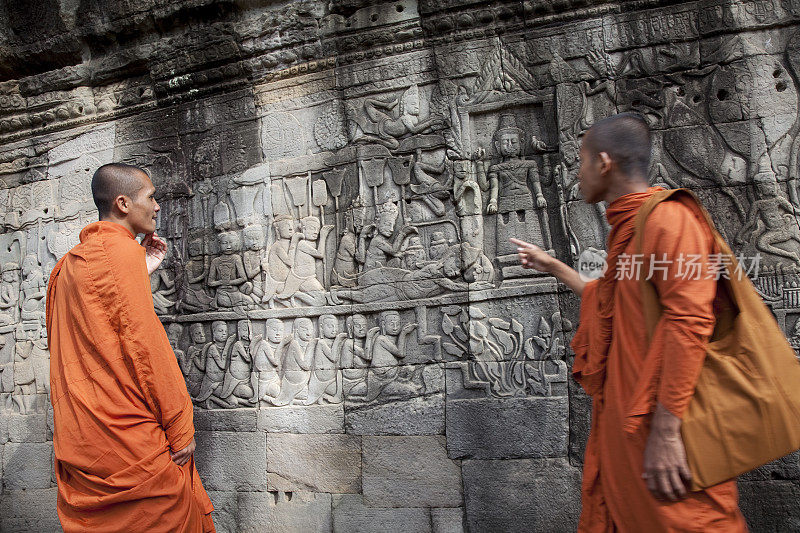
(123, 433)
(635, 472)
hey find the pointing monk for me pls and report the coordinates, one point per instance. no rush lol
(635, 472)
(123, 434)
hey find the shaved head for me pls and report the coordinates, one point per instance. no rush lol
(626, 139)
(112, 180)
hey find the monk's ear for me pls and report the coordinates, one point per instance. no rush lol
(122, 204)
(605, 163)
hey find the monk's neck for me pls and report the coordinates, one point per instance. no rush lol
(622, 185)
(121, 221)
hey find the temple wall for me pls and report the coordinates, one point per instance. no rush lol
(338, 182)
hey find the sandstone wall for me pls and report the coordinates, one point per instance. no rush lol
(338, 181)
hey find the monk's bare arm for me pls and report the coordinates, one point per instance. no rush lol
(532, 256)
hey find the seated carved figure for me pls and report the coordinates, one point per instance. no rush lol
(236, 387)
(9, 294)
(215, 356)
(227, 274)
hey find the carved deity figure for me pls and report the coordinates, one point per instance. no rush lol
(478, 269)
(32, 290)
(351, 252)
(31, 366)
(194, 298)
(794, 338)
(386, 346)
(771, 224)
(236, 387)
(215, 357)
(414, 256)
(227, 274)
(509, 195)
(267, 356)
(195, 356)
(9, 294)
(302, 283)
(253, 258)
(393, 120)
(354, 361)
(325, 384)
(296, 363)
(280, 257)
(439, 245)
(384, 248)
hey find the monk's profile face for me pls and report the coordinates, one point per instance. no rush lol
(593, 184)
(143, 207)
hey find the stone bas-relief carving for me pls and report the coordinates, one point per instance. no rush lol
(337, 204)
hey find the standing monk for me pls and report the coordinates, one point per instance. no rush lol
(635, 470)
(123, 435)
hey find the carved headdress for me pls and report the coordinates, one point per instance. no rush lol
(507, 124)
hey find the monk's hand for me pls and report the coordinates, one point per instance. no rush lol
(532, 256)
(181, 457)
(155, 251)
(666, 471)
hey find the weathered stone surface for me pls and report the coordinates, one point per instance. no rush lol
(417, 416)
(409, 472)
(225, 510)
(351, 515)
(27, 428)
(229, 461)
(27, 465)
(447, 520)
(521, 495)
(240, 420)
(770, 505)
(498, 429)
(29, 511)
(278, 512)
(315, 463)
(338, 182)
(302, 419)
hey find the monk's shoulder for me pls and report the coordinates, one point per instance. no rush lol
(121, 253)
(672, 217)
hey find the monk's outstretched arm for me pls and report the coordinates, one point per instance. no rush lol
(144, 343)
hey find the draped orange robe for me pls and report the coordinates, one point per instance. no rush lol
(119, 399)
(627, 377)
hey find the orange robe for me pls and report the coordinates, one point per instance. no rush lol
(626, 377)
(119, 400)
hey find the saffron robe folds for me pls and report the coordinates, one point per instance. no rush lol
(120, 404)
(627, 377)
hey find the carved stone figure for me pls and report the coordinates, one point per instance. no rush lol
(351, 252)
(33, 290)
(771, 224)
(174, 332)
(267, 356)
(391, 120)
(236, 387)
(302, 283)
(509, 195)
(384, 248)
(9, 294)
(325, 383)
(280, 257)
(253, 258)
(193, 297)
(227, 274)
(296, 363)
(354, 360)
(195, 358)
(31, 367)
(163, 288)
(215, 357)
(385, 347)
